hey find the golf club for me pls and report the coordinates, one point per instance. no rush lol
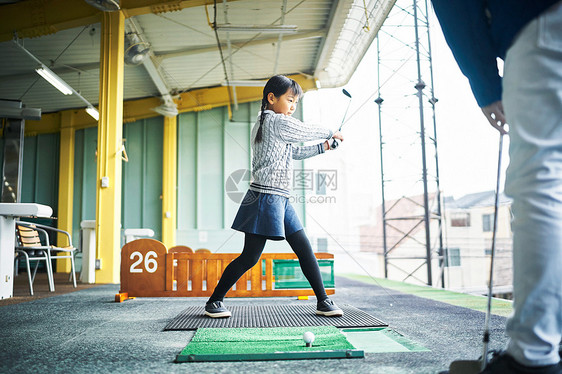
(476, 366)
(335, 142)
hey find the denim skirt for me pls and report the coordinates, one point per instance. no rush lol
(268, 215)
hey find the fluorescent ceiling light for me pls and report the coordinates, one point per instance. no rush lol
(245, 83)
(93, 112)
(57, 81)
(279, 29)
(54, 79)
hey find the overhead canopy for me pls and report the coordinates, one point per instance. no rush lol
(322, 42)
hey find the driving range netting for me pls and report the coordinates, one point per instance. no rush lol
(247, 316)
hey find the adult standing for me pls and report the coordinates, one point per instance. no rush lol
(527, 35)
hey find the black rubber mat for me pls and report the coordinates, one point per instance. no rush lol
(272, 316)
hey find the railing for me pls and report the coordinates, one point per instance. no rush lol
(149, 270)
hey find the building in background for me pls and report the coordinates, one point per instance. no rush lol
(467, 233)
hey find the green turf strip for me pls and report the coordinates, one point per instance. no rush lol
(500, 307)
(381, 340)
(253, 343)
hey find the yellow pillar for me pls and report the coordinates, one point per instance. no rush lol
(66, 183)
(110, 133)
(169, 182)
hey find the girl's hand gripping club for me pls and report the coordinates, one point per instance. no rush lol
(334, 144)
(336, 139)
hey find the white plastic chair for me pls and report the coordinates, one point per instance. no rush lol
(29, 244)
(33, 255)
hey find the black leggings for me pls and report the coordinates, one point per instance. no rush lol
(253, 248)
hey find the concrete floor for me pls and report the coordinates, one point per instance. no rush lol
(41, 287)
(87, 332)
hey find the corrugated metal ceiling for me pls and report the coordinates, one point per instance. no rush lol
(332, 38)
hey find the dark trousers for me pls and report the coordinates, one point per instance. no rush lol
(253, 248)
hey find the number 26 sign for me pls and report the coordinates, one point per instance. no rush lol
(143, 267)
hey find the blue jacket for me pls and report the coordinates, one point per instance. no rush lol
(479, 31)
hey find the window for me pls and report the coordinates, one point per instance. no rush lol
(322, 244)
(452, 257)
(320, 183)
(460, 220)
(326, 179)
(487, 222)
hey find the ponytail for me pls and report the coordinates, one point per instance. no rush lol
(262, 116)
(278, 85)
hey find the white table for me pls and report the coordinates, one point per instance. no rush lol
(9, 213)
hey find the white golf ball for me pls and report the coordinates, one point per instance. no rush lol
(308, 337)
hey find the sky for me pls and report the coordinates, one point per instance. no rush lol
(467, 144)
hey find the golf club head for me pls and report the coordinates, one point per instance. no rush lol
(346, 93)
(465, 367)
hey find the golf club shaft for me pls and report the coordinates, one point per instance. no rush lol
(335, 143)
(486, 338)
(345, 114)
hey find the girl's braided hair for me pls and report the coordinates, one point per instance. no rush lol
(278, 85)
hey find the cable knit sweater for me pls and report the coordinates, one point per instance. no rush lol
(272, 160)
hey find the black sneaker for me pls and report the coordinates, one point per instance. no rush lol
(503, 363)
(216, 309)
(328, 308)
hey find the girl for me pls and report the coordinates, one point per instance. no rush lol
(265, 213)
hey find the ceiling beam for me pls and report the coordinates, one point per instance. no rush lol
(157, 78)
(238, 44)
(138, 7)
(160, 56)
(133, 110)
(35, 18)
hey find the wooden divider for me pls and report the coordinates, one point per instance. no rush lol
(149, 270)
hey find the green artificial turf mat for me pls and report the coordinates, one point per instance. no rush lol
(232, 344)
(500, 307)
(381, 340)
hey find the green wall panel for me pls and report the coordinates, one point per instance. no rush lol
(84, 207)
(141, 203)
(40, 175)
(210, 138)
(237, 163)
(187, 171)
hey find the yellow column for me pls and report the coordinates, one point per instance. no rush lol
(110, 133)
(66, 184)
(169, 182)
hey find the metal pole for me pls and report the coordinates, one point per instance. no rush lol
(282, 22)
(420, 86)
(433, 101)
(231, 64)
(379, 101)
(12, 169)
